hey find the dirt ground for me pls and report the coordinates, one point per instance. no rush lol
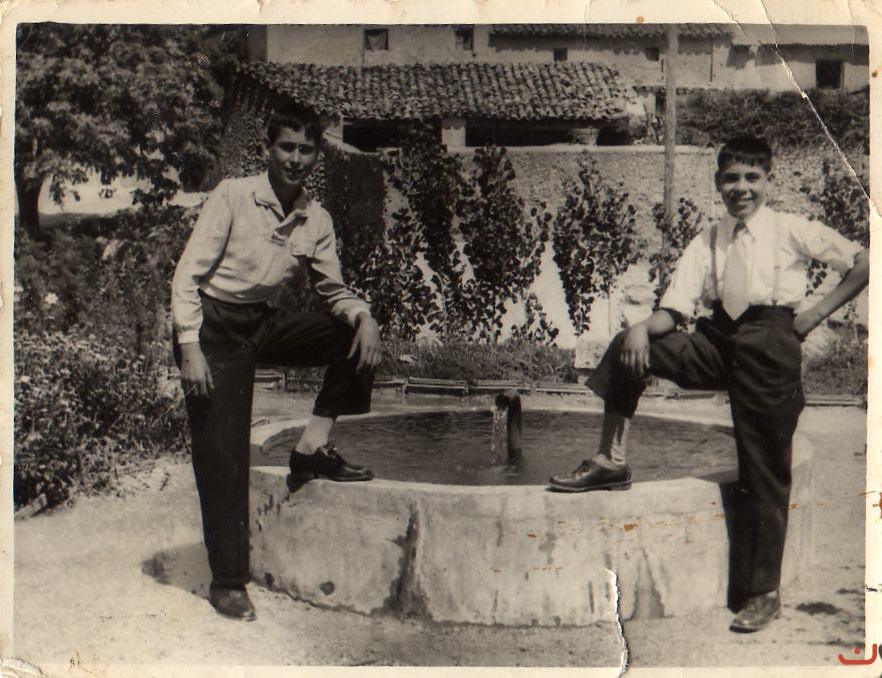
(90, 589)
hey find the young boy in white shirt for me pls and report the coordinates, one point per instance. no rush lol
(750, 269)
(254, 236)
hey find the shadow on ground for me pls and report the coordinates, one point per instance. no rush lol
(185, 567)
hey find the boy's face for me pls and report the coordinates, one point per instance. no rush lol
(290, 159)
(743, 188)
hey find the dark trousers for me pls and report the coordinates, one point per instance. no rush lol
(758, 361)
(234, 337)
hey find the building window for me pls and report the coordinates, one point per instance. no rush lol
(828, 74)
(465, 38)
(560, 54)
(376, 39)
(653, 53)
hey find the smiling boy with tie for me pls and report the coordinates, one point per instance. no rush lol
(750, 269)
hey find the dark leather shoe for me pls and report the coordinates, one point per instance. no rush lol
(591, 476)
(757, 613)
(232, 602)
(326, 462)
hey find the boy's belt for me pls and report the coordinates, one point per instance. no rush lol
(773, 315)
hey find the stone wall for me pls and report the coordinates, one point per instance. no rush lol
(543, 172)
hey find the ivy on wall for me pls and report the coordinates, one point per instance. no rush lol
(786, 119)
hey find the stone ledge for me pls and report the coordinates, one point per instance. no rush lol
(512, 555)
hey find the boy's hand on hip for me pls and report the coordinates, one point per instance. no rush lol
(195, 373)
(367, 344)
(635, 351)
(804, 323)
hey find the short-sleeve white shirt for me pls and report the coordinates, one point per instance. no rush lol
(772, 240)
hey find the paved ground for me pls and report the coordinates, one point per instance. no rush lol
(90, 590)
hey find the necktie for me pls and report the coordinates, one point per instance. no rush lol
(735, 299)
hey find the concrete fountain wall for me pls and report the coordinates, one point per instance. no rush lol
(513, 555)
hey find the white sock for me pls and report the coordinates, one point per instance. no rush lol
(316, 433)
(612, 452)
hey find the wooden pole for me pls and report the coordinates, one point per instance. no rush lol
(670, 133)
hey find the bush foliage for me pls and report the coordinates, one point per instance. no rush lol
(677, 233)
(84, 411)
(92, 347)
(784, 118)
(595, 241)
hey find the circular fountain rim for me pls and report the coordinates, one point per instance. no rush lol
(802, 450)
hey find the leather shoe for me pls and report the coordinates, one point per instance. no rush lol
(232, 602)
(591, 476)
(325, 462)
(757, 613)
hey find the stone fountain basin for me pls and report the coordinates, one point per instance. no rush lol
(507, 555)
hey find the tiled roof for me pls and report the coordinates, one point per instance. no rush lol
(563, 90)
(589, 30)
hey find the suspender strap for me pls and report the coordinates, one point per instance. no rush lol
(713, 261)
(777, 271)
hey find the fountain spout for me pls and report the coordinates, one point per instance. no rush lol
(507, 428)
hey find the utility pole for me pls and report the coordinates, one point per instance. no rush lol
(673, 48)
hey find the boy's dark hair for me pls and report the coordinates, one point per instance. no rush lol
(749, 150)
(296, 117)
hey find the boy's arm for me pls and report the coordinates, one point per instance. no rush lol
(635, 348)
(848, 288)
(204, 247)
(327, 281)
(678, 301)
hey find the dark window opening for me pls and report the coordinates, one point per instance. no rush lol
(614, 135)
(653, 53)
(376, 39)
(560, 54)
(512, 133)
(465, 38)
(370, 135)
(828, 74)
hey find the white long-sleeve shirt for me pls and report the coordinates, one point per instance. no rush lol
(243, 249)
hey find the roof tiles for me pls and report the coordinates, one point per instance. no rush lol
(615, 31)
(508, 91)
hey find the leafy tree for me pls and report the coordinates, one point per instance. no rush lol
(118, 100)
(430, 180)
(400, 299)
(595, 241)
(503, 241)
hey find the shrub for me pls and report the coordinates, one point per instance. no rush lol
(400, 299)
(841, 368)
(135, 276)
(841, 201)
(429, 179)
(503, 241)
(676, 235)
(84, 410)
(536, 328)
(595, 241)
(57, 281)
